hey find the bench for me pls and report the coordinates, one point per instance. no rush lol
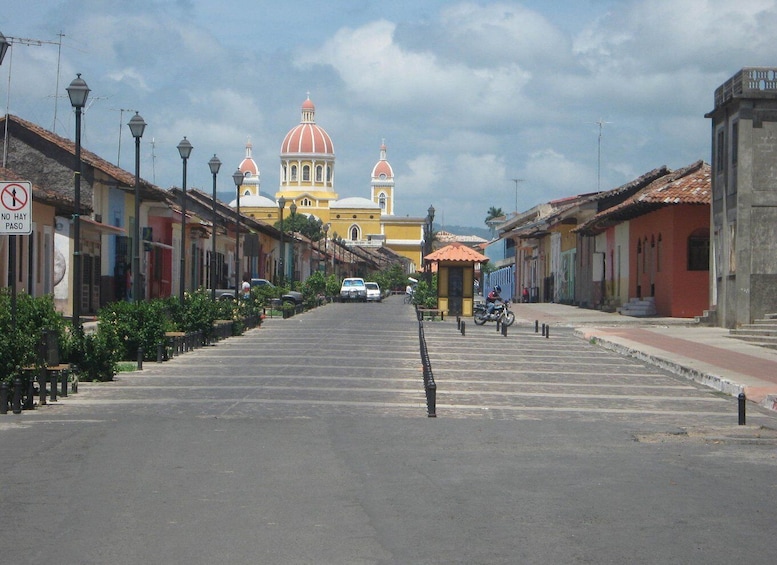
(175, 342)
(431, 313)
(53, 376)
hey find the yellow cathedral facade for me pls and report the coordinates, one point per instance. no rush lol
(307, 180)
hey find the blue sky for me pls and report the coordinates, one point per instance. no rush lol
(467, 95)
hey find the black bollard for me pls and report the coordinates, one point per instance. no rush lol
(29, 399)
(536, 326)
(431, 400)
(16, 403)
(42, 387)
(543, 330)
(742, 408)
(54, 385)
(140, 358)
(160, 352)
(63, 379)
(463, 325)
(3, 397)
(498, 326)
(458, 322)
(504, 330)
(547, 331)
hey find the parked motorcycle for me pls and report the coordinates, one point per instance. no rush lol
(501, 313)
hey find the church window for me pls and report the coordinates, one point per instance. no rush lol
(382, 201)
(284, 172)
(382, 176)
(294, 173)
(328, 173)
(306, 203)
(247, 193)
(355, 233)
(319, 173)
(306, 173)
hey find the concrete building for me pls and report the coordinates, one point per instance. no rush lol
(743, 277)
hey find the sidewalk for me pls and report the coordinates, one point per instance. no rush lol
(705, 354)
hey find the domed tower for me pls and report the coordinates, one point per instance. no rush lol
(382, 184)
(307, 165)
(251, 176)
(250, 196)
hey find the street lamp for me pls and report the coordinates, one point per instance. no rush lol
(184, 149)
(4, 45)
(293, 209)
(429, 223)
(78, 92)
(326, 246)
(281, 206)
(238, 177)
(137, 125)
(214, 165)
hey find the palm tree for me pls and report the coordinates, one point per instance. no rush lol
(492, 214)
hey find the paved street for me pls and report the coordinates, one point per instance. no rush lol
(307, 441)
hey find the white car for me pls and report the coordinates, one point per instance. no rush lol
(373, 292)
(353, 289)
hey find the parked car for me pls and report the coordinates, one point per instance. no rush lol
(373, 292)
(353, 289)
(292, 296)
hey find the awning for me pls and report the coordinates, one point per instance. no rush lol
(103, 228)
(159, 244)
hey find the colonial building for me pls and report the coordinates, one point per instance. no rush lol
(744, 197)
(307, 186)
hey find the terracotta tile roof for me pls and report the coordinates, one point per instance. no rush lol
(689, 185)
(39, 194)
(457, 252)
(148, 191)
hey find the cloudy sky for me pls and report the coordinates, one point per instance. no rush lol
(467, 95)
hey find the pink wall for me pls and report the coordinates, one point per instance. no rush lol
(678, 292)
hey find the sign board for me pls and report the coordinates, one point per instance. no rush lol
(15, 208)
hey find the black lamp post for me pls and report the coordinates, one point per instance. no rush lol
(238, 177)
(78, 92)
(214, 165)
(429, 223)
(4, 45)
(326, 246)
(293, 209)
(281, 206)
(137, 125)
(184, 149)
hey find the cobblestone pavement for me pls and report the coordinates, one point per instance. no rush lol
(364, 359)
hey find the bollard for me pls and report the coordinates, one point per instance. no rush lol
(498, 326)
(431, 400)
(463, 325)
(42, 387)
(63, 380)
(543, 330)
(742, 408)
(536, 326)
(3, 397)
(16, 403)
(160, 351)
(504, 330)
(140, 358)
(458, 322)
(29, 400)
(547, 331)
(54, 385)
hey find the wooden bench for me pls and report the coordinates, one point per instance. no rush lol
(54, 376)
(175, 342)
(431, 313)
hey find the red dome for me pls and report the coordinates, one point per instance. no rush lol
(307, 137)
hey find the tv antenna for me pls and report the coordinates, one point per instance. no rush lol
(516, 181)
(121, 124)
(599, 123)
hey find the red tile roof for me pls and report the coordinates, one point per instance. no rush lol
(690, 185)
(457, 252)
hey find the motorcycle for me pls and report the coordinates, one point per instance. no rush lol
(501, 314)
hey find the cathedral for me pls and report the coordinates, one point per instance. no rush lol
(307, 180)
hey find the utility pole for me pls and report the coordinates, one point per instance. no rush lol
(516, 181)
(600, 123)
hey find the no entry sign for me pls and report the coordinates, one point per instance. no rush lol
(15, 208)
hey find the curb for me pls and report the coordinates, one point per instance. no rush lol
(710, 380)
